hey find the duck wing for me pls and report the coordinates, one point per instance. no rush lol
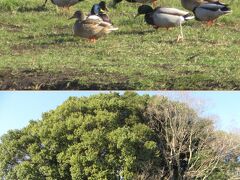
(93, 19)
(212, 6)
(96, 21)
(171, 11)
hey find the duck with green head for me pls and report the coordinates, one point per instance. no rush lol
(163, 17)
(91, 27)
(101, 10)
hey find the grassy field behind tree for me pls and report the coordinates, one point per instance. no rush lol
(38, 51)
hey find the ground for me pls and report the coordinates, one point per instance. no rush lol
(39, 51)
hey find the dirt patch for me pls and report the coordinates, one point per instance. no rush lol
(70, 79)
(39, 8)
(21, 48)
(163, 66)
(27, 79)
(11, 27)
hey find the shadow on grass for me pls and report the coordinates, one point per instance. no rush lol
(51, 38)
(44, 42)
(30, 9)
(48, 35)
(136, 32)
(57, 39)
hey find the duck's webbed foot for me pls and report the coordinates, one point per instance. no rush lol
(179, 38)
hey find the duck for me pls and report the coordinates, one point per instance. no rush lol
(154, 2)
(165, 17)
(191, 4)
(101, 10)
(100, 7)
(91, 27)
(208, 12)
(64, 3)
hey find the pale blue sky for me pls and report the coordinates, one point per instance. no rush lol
(18, 108)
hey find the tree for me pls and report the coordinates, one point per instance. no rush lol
(188, 145)
(100, 137)
(112, 136)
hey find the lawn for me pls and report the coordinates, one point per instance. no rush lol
(39, 51)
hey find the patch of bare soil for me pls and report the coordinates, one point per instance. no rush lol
(27, 79)
(11, 27)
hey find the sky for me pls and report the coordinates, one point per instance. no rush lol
(18, 108)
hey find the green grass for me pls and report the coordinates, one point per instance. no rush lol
(38, 51)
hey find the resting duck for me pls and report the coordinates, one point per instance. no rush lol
(191, 4)
(210, 11)
(154, 2)
(63, 3)
(100, 10)
(100, 7)
(164, 17)
(91, 27)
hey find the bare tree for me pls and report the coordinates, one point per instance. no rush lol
(188, 144)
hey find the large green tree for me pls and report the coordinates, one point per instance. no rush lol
(112, 136)
(100, 137)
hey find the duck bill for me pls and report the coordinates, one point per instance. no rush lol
(103, 10)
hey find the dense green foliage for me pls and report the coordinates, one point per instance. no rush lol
(98, 137)
(105, 136)
(38, 51)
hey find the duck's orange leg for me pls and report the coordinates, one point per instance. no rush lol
(92, 39)
(210, 23)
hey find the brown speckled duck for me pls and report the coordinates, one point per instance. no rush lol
(91, 27)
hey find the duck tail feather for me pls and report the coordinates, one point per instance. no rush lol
(226, 9)
(113, 28)
(188, 17)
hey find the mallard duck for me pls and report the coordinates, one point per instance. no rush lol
(100, 7)
(191, 4)
(210, 11)
(100, 10)
(164, 17)
(63, 3)
(154, 2)
(91, 27)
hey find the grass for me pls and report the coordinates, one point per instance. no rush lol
(38, 51)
